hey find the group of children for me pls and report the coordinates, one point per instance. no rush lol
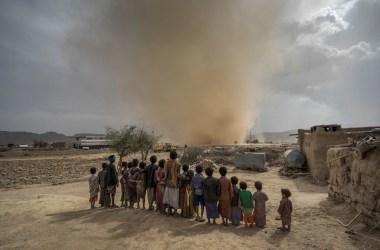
(219, 197)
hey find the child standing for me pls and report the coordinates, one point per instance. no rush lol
(225, 197)
(150, 185)
(186, 196)
(103, 187)
(140, 184)
(197, 185)
(285, 209)
(236, 211)
(132, 183)
(126, 185)
(259, 199)
(159, 178)
(93, 183)
(211, 195)
(245, 199)
(122, 186)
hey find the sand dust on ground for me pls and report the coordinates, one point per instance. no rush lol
(46, 216)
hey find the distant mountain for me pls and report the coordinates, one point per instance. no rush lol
(18, 138)
(276, 136)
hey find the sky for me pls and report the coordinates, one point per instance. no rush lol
(76, 66)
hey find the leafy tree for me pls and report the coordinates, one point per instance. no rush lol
(124, 141)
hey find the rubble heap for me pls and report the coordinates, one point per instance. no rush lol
(205, 163)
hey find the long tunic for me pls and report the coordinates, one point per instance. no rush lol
(149, 176)
(285, 210)
(140, 186)
(186, 196)
(211, 189)
(111, 175)
(122, 187)
(126, 184)
(259, 199)
(132, 185)
(103, 187)
(225, 197)
(93, 183)
(159, 178)
(211, 196)
(236, 211)
(102, 178)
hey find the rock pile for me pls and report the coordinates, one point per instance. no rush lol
(205, 163)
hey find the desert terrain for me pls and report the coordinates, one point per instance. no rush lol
(44, 205)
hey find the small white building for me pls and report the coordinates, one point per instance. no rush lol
(91, 142)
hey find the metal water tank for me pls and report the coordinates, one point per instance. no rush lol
(294, 158)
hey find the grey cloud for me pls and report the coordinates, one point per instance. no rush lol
(329, 52)
(338, 78)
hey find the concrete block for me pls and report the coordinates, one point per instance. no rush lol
(250, 160)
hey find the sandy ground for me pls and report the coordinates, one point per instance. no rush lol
(58, 216)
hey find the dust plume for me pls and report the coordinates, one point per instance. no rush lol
(189, 69)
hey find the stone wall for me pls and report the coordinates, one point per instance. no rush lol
(355, 178)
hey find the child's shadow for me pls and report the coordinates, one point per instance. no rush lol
(277, 236)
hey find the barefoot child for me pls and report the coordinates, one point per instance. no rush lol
(211, 195)
(126, 185)
(245, 199)
(197, 185)
(132, 183)
(236, 211)
(259, 198)
(93, 183)
(103, 187)
(122, 183)
(225, 196)
(285, 209)
(159, 178)
(140, 184)
(150, 185)
(186, 196)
